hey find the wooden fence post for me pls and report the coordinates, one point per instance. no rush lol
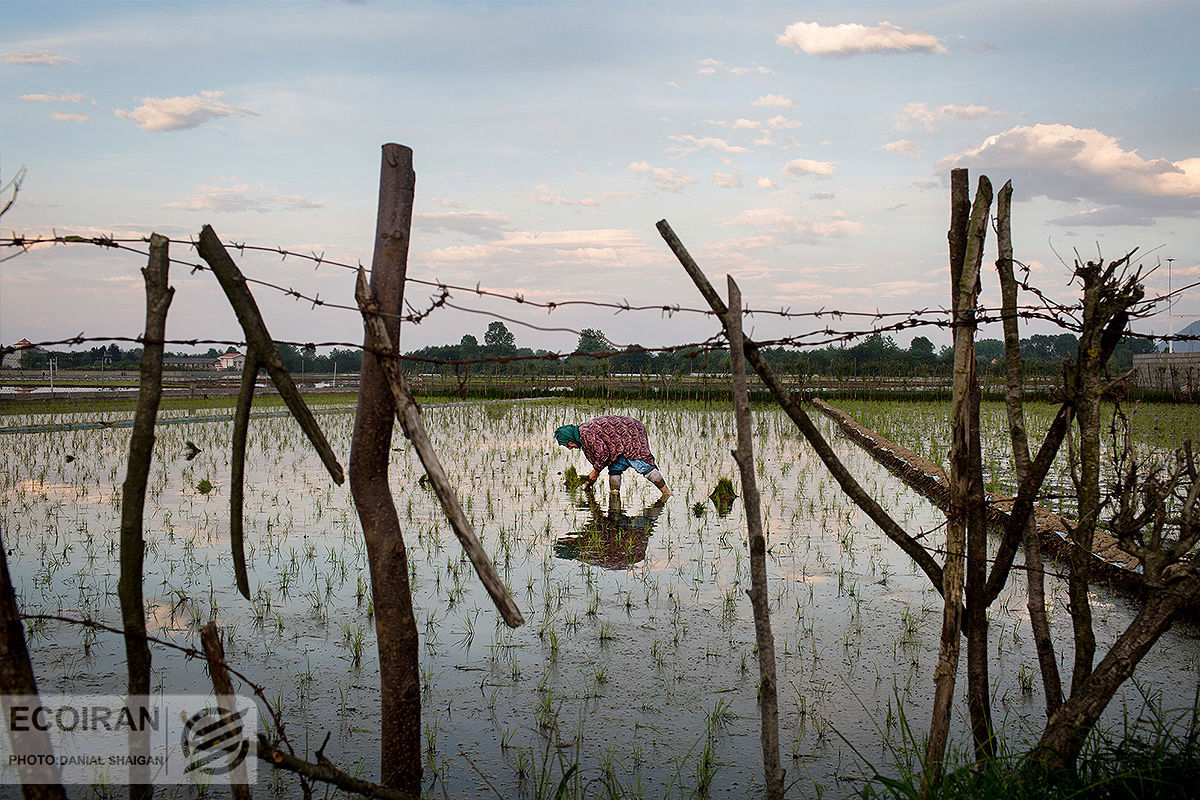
(38, 781)
(395, 625)
(1014, 402)
(214, 653)
(260, 350)
(133, 501)
(744, 455)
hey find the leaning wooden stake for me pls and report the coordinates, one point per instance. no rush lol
(259, 340)
(39, 781)
(744, 455)
(214, 653)
(133, 502)
(237, 471)
(808, 428)
(261, 350)
(413, 424)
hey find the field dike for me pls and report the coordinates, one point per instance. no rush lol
(1112, 566)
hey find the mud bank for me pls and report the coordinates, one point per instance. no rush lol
(1112, 566)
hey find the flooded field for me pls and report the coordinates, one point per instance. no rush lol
(637, 660)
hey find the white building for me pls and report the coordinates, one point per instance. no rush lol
(13, 360)
(231, 360)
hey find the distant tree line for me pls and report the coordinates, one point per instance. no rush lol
(874, 355)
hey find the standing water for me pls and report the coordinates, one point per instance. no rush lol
(636, 664)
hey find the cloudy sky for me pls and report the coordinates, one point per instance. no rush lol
(802, 147)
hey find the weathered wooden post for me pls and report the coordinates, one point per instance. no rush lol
(395, 625)
(39, 780)
(133, 501)
(1014, 401)
(744, 455)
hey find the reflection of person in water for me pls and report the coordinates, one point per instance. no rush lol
(617, 443)
(611, 538)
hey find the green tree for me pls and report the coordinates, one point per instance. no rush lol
(592, 340)
(499, 339)
(468, 347)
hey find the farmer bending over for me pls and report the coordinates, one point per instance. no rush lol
(614, 442)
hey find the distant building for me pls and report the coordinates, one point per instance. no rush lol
(1177, 371)
(231, 360)
(13, 360)
(1168, 372)
(189, 362)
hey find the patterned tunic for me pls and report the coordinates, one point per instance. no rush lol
(605, 439)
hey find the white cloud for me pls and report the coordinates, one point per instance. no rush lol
(746, 125)
(61, 117)
(691, 144)
(181, 113)
(544, 195)
(37, 58)
(766, 183)
(711, 66)
(808, 291)
(728, 180)
(780, 122)
(921, 114)
(664, 178)
(242, 197)
(571, 240)
(1103, 217)
(777, 227)
(53, 98)
(557, 256)
(484, 224)
(780, 100)
(752, 70)
(903, 147)
(1062, 162)
(852, 38)
(805, 166)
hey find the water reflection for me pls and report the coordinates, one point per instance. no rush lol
(611, 538)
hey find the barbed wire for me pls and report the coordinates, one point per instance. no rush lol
(1049, 311)
(668, 309)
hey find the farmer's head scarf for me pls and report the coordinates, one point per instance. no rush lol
(568, 433)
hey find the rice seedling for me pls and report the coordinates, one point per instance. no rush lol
(848, 611)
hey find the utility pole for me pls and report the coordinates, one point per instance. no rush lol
(1170, 311)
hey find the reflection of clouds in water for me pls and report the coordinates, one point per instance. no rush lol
(610, 538)
(90, 492)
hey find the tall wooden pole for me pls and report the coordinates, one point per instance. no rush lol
(133, 501)
(744, 455)
(395, 625)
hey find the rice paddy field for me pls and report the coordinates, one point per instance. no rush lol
(636, 665)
